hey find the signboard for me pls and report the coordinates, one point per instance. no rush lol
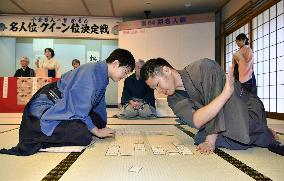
(59, 26)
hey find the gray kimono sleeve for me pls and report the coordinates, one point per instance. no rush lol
(182, 107)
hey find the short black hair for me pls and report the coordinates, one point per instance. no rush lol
(75, 61)
(51, 51)
(243, 36)
(153, 67)
(124, 57)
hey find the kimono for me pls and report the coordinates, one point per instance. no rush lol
(64, 112)
(240, 124)
(28, 72)
(243, 70)
(52, 66)
(138, 89)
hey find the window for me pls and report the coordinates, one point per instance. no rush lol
(231, 46)
(268, 48)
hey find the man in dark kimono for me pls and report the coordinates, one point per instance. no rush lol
(137, 98)
(69, 112)
(225, 114)
(25, 70)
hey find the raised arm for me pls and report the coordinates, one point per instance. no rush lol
(208, 112)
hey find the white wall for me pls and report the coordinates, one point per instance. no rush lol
(24, 49)
(65, 53)
(8, 56)
(111, 92)
(179, 44)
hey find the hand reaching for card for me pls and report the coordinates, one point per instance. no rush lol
(104, 132)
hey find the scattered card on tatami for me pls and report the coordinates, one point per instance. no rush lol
(135, 169)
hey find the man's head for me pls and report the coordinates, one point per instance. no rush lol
(24, 61)
(138, 66)
(121, 62)
(158, 74)
(75, 63)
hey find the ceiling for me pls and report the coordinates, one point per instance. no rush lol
(127, 9)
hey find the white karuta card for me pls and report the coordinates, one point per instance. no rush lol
(135, 169)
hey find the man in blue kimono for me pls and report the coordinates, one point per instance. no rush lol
(225, 114)
(137, 98)
(72, 110)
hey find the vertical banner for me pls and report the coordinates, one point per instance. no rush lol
(5, 87)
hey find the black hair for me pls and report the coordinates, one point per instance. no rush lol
(51, 51)
(153, 67)
(243, 36)
(124, 57)
(75, 61)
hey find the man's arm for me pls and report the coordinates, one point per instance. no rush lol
(125, 93)
(208, 112)
(149, 96)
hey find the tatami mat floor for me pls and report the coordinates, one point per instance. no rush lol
(92, 164)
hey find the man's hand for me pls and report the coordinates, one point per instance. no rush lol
(229, 85)
(37, 63)
(208, 146)
(104, 132)
(205, 148)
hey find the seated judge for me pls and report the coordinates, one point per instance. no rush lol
(25, 70)
(137, 97)
(49, 63)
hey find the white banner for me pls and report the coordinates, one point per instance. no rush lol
(59, 26)
(5, 87)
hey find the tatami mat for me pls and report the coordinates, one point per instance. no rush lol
(94, 165)
(31, 168)
(113, 121)
(11, 120)
(260, 159)
(5, 128)
(15, 118)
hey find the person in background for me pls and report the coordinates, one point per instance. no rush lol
(75, 63)
(25, 70)
(49, 63)
(243, 64)
(73, 109)
(137, 97)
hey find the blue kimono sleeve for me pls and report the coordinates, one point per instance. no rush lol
(100, 109)
(76, 103)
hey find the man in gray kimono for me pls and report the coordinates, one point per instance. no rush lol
(225, 114)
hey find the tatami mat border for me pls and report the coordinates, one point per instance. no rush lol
(9, 130)
(56, 173)
(233, 161)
